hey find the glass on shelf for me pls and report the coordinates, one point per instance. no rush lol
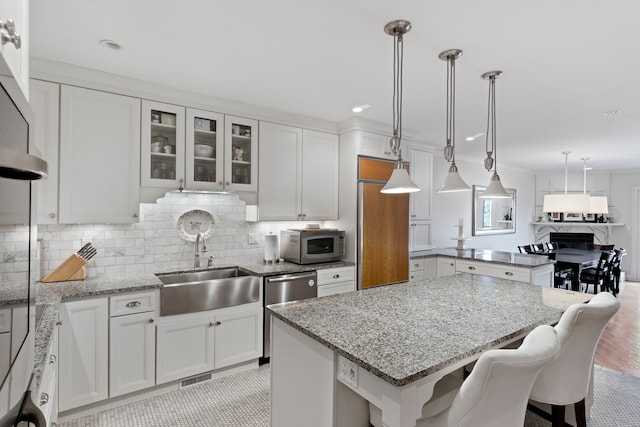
(204, 125)
(163, 118)
(163, 169)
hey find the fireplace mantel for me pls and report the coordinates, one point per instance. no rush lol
(601, 231)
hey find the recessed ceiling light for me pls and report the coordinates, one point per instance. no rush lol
(360, 108)
(110, 44)
(612, 112)
(472, 137)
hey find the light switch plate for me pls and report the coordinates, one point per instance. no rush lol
(347, 371)
(254, 238)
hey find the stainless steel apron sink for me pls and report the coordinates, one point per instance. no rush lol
(193, 291)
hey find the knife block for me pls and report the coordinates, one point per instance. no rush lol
(73, 268)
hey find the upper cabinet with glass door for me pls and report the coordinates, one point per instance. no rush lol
(205, 150)
(241, 154)
(163, 145)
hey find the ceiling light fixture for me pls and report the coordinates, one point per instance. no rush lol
(572, 203)
(399, 182)
(360, 108)
(495, 190)
(110, 44)
(453, 181)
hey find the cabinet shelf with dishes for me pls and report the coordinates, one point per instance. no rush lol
(162, 154)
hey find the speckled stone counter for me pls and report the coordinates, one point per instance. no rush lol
(486, 255)
(404, 332)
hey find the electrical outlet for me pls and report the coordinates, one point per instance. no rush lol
(347, 371)
(254, 238)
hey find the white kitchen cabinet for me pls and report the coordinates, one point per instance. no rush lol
(336, 280)
(162, 145)
(416, 269)
(240, 154)
(47, 398)
(14, 48)
(419, 235)
(238, 335)
(420, 202)
(445, 266)
(132, 342)
(190, 344)
(298, 174)
(377, 145)
(184, 346)
(542, 275)
(99, 157)
(83, 352)
(204, 150)
(44, 98)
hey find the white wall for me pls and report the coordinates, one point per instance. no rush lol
(622, 211)
(448, 207)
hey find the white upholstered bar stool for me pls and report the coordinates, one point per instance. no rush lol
(497, 390)
(565, 381)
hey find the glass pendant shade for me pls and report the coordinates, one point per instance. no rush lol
(495, 190)
(453, 182)
(599, 205)
(399, 182)
(573, 203)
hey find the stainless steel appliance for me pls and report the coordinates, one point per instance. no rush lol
(311, 246)
(18, 167)
(383, 227)
(284, 288)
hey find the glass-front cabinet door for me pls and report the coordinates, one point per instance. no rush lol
(205, 150)
(163, 145)
(241, 154)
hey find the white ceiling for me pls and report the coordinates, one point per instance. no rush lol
(565, 63)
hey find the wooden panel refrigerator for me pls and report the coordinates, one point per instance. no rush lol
(383, 227)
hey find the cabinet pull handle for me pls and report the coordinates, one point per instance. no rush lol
(52, 358)
(51, 215)
(218, 323)
(336, 276)
(14, 38)
(133, 304)
(44, 398)
(471, 267)
(8, 25)
(416, 265)
(508, 273)
(59, 323)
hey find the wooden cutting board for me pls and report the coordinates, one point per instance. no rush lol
(73, 268)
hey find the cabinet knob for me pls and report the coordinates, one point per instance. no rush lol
(335, 276)
(9, 26)
(59, 323)
(416, 265)
(218, 323)
(52, 359)
(151, 320)
(227, 183)
(44, 398)
(133, 304)
(15, 39)
(219, 182)
(135, 215)
(508, 273)
(51, 215)
(471, 267)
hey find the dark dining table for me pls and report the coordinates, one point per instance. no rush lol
(577, 260)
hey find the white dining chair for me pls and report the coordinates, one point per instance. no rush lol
(497, 390)
(565, 381)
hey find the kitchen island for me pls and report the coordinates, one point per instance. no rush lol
(389, 345)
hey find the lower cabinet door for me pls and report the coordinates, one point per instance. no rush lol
(184, 346)
(83, 352)
(238, 336)
(336, 288)
(132, 345)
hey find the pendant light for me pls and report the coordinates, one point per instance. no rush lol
(399, 182)
(453, 181)
(598, 204)
(572, 203)
(495, 190)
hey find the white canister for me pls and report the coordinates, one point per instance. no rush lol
(271, 250)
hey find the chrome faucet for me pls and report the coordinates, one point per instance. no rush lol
(196, 256)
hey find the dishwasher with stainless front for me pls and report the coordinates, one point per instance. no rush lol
(285, 288)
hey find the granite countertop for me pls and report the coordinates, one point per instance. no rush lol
(404, 332)
(50, 295)
(487, 255)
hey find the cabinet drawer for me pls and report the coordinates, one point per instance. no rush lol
(5, 320)
(132, 303)
(416, 275)
(511, 273)
(335, 275)
(416, 264)
(336, 288)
